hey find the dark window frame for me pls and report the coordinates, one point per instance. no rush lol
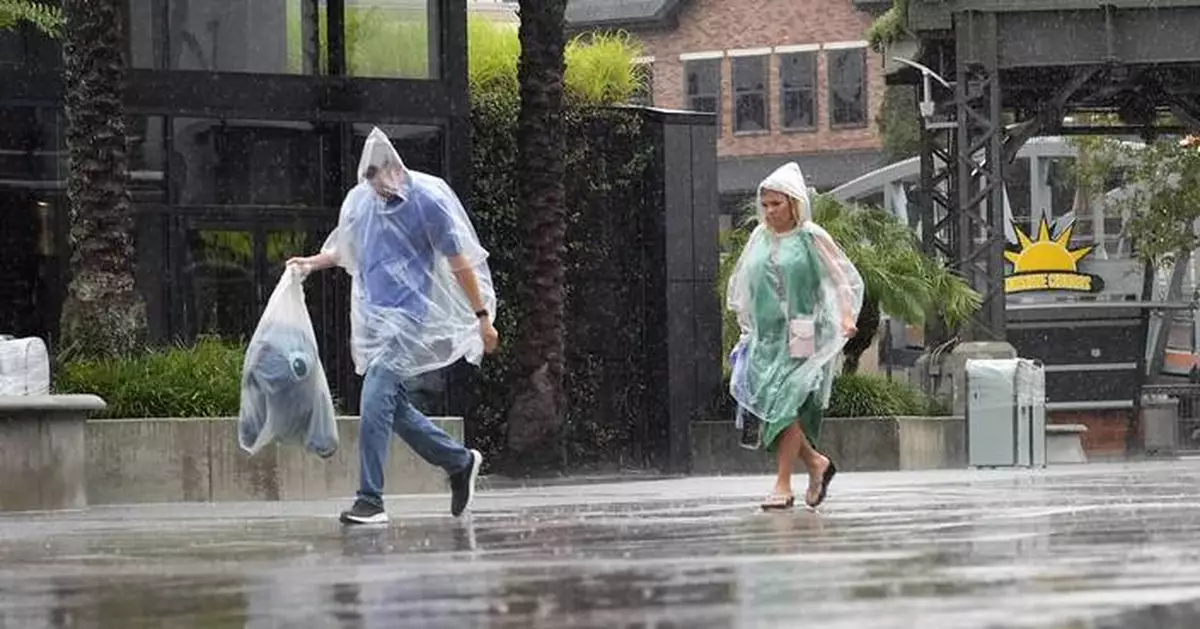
(763, 92)
(834, 82)
(690, 97)
(812, 90)
(332, 60)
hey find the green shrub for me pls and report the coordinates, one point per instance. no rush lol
(869, 395)
(198, 381)
(600, 67)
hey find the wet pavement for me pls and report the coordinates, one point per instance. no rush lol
(1067, 548)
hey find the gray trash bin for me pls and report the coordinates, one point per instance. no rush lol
(1006, 413)
(1160, 425)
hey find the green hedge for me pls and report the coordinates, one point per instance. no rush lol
(198, 381)
(870, 395)
(860, 395)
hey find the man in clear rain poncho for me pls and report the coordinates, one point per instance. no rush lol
(797, 298)
(421, 299)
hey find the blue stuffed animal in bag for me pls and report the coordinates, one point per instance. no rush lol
(279, 388)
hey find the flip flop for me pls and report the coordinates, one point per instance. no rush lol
(826, 478)
(779, 502)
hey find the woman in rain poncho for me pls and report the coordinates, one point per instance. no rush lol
(797, 299)
(421, 298)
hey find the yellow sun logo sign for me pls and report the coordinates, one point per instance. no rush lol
(1048, 264)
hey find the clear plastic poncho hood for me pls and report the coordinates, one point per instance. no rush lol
(763, 293)
(401, 235)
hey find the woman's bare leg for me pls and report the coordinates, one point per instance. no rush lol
(785, 456)
(816, 463)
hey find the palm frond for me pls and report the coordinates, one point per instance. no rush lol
(47, 19)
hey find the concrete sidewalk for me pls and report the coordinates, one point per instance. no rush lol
(1097, 546)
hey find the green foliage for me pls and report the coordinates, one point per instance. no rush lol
(599, 66)
(1162, 180)
(387, 42)
(908, 284)
(863, 395)
(46, 18)
(492, 53)
(899, 123)
(889, 27)
(395, 43)
(198, 381)
(605, 172)
(732, 244)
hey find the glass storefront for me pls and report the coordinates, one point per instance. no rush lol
(244, 122)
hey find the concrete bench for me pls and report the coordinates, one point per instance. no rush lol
(1064, 443)
(43, 456)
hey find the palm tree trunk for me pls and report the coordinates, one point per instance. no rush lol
(103, 315)
(539, 404)
(868, 326)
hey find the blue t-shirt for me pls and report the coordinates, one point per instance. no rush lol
(398, 240)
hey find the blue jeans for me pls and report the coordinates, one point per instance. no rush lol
(385, 409)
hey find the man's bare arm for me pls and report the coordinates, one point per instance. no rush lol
(465, 274)
(316, 262)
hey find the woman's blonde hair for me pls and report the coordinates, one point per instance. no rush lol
(799, 208)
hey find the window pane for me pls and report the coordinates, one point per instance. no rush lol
(420, 146)
(246, 162)
(392, 39)
(847, 87)
(751, 113)
(1016, 181)
(704, 103)
(799, 110)
(750, 98)
(1060, 176)
(220, 274)
(749, 74)
(33, 220)
(24, 46)
(798, 70)
(147, 179)
(703, 77)
(262, 36)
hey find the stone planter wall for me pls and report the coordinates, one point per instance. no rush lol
(855, 443)
(199, 460)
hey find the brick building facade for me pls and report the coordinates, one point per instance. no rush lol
(790, 79)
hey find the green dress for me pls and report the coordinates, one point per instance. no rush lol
(783, 265)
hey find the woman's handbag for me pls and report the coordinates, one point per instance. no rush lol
(802, 337)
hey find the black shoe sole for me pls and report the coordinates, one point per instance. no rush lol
(826, 478)
(354, 520)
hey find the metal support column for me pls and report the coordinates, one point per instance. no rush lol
(979, 248)
(939, 155)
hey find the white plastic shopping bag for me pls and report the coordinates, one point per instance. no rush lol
(285, 396)
(24, 366)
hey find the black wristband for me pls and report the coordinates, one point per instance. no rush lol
(479, 314)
